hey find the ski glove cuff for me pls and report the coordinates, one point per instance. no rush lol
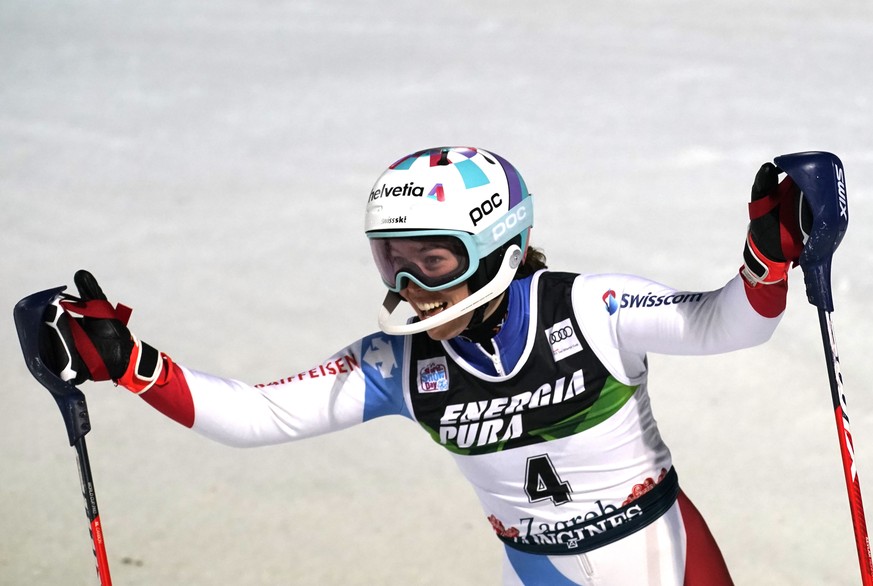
(144, 369)
(758, 269)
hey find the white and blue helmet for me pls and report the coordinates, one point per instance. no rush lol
(471, 202)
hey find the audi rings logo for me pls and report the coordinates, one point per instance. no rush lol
(563, 339)
(564, 333)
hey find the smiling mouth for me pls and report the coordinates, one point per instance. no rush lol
(431, 308)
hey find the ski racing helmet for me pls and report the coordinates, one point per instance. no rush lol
(470, 205)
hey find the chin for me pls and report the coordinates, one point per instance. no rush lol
(449, 330)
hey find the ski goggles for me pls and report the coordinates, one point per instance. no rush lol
(439, 259)
(432, 259)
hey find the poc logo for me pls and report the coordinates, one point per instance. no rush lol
(508, 223)
(485, 208)
(563, 340)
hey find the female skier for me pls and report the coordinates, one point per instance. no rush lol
(536, 381)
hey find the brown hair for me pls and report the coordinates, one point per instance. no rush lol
(534, 260)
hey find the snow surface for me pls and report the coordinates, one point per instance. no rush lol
(209, 162)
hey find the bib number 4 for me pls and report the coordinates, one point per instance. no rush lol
(542, 482)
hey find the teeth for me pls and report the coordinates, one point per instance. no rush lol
(425, 307)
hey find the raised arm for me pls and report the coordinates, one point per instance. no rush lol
(645, 316)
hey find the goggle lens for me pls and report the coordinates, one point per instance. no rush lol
(433, 262)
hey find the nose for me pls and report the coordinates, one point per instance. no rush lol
(410, 286)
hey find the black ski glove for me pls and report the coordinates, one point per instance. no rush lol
(779, 223)
(88, 339)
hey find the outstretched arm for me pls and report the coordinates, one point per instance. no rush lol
(350, 387)
(89, 340)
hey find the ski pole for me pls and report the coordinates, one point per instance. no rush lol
(28, 315)
(821, 179)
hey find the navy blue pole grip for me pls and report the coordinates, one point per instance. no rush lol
(28, 314)
(820, 177)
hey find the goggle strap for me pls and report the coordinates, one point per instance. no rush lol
(492, 239)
